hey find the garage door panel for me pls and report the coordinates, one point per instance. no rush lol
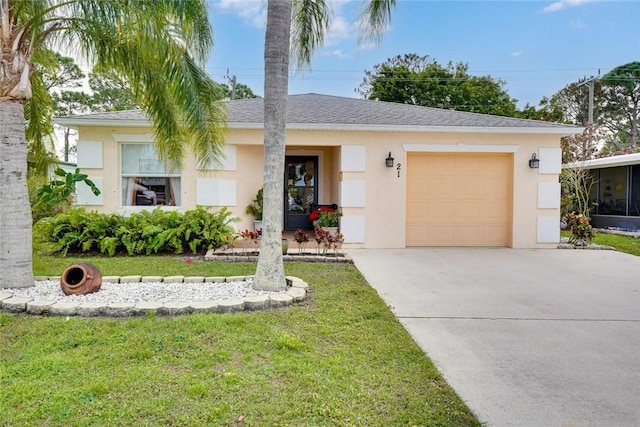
(439, 187)
(464, 199)
(432, 167)
(493, 187)
(470, 211)
(440, 235)
(466, 187)
(465, 165)
(439, 211)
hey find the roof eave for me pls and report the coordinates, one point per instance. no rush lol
(74, 123)
(560, 130)
(606, 162)
(552, 130)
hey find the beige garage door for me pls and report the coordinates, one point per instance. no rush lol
(459, 199)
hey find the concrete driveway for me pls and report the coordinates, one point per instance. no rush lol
(526, 337)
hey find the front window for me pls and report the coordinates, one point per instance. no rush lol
(145, 180)
(634, 200)
(613, 191)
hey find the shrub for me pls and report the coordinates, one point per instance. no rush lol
(256, 207)
(143, 233)
(42, 210)
(580, 228)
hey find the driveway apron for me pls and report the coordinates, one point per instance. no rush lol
(527, 337)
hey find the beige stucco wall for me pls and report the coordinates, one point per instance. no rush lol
(383, 214)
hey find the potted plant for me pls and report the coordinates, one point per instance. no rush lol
(255, 209)
(329, 221)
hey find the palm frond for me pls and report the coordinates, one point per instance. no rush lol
(38, 113)
(374, 19)
(310, 22)
(159, 47)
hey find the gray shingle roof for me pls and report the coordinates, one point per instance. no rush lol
(326, 111)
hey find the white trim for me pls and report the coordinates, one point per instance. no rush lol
(613, 161)
(216, 192)
(76, 123)
(128, 210)
(84, 195)
(550, 160)
(549, 195)
(133, 137)
(562, 131)
(353, 229)
(89, 154)
(352, 194)
(353, 158)
(460, 147)
(524, 130)
(548, 229)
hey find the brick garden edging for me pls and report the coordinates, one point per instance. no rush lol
(296, 292)
(308, 255)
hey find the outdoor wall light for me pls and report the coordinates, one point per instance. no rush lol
(534, 162)
(389, 160)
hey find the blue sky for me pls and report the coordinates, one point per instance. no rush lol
(536, 47)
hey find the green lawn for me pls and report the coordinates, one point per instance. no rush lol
(338, 359)
(625, 244)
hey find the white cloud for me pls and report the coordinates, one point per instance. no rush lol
(563, 4)
(337, 53)
(340, 31)
(253, 12)
(515, 54)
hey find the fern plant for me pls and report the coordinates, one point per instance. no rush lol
(144, 233)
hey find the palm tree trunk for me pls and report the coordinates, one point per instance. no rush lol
(16, 269)
(270, 268)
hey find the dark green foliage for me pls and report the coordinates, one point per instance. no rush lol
(419, 80)
(59, 190)
(256, 207)
(42, 210)
(144, 233)
(622, 106)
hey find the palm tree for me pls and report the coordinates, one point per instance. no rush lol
(157, 46)
(310, 21)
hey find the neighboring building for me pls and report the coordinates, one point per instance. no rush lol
(456, 178)
(65, 166)
(616, 191)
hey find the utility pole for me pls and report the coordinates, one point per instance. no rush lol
(232, 80)
(591, 83)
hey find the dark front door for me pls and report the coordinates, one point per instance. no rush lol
(301, 191)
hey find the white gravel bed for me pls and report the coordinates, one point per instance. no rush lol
(143, 292)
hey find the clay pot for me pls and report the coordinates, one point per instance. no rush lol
(81, 278)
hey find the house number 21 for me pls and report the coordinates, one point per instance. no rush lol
(398, 169)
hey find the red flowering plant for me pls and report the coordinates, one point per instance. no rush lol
(249, 236)
(315, 215)
(327, 240)
(301, 238)
(581, 229)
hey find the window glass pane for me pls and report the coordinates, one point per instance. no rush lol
(150, 191)
(634, 200)
(141, 159)
(613, 191)
(593, 193)
(300, 185)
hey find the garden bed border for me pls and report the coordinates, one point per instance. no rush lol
(296, 292)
